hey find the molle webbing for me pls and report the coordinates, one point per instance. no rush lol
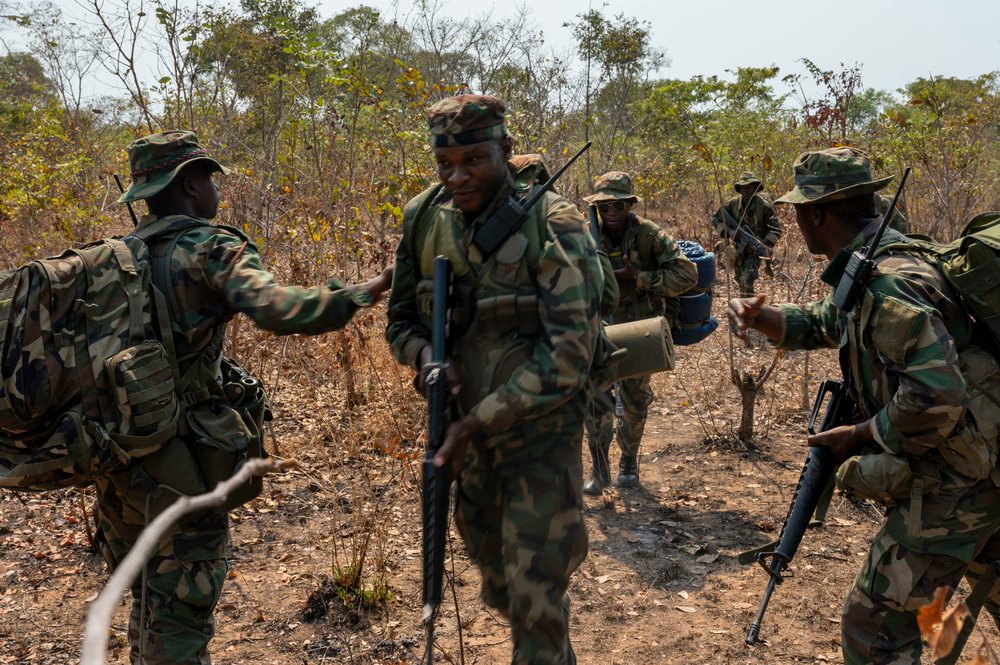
(499, 315)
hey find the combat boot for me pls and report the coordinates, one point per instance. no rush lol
(628, 472)
(601, 474)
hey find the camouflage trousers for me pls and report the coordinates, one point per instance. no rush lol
(746, 270)
(522, 523)
(954, 535)
(636, 395)
(185, 575)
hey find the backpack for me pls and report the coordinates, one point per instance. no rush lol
(86, 379)
(971, 266)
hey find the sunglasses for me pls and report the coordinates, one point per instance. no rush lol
(617, 206)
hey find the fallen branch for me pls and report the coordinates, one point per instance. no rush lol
(95, 636)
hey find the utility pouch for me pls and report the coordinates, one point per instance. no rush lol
(882, 477)
(230, 430)
(142, 385)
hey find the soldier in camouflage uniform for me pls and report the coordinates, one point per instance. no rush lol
(522, 366)
(755, 214)
(916, 367)
(651, 272)
(898, 221)
(215, 273)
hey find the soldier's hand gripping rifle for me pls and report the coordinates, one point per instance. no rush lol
(436, 481)
(742, 236)
(817, 473)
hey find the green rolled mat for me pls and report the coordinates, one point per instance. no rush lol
(649, 345)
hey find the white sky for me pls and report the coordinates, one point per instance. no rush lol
(895, 41)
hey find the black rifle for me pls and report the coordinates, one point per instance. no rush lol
(743, 238)
(816, 475)
(437, 481)
(859, 267)
(511, 214)
(128, 204)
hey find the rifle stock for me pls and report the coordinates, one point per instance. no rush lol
(816, 475)
(436, 481)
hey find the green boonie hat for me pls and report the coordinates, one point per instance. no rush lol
(466, 119)
(156, 159)
(746, 178)
(612, 186)
(830, 175)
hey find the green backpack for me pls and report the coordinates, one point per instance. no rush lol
(87, 379)
(971, 266)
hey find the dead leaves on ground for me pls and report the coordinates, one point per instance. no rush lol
(941, 627)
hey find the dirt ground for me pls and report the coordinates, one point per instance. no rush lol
(661, 583)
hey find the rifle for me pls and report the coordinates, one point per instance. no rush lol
(742, 236)
(128, 204)
(511, 214)
(436, 481)
(859, 266)
(595, 230)
(817, 472)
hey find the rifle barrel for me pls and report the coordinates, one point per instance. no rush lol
(540, 192)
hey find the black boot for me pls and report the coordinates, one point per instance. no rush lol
(628, 472)
(601, 475)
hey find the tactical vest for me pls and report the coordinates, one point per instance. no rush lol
(495, 322)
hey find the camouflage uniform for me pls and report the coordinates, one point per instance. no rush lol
(663, 273)
(523, 364)
(898, 221)
(760, 219)
(911, 363)
(215, 273)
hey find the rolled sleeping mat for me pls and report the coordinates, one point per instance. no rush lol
(695, 308)
(704, 261)
(693, 333)
(649, 345)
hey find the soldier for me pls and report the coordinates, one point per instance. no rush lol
(522, 366)
(755, 214)
(898, 221)
(916, 373)
(651, 272)
(214, 273)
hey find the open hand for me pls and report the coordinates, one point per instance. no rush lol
(379, 285)
(743, 314)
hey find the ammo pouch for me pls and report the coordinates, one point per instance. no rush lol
(229, 430)
(463, 305)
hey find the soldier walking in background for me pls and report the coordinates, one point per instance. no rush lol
(522, 367)
(207, 274)
(926, 444)
(651, 272)
(752, 212)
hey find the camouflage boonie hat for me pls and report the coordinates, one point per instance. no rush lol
(746, 178)
(466, 119)
(612, 186)
(831, 175)
(155, 160)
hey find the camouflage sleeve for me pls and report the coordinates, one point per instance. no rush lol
(568, 309)
(405, 332)
(674, 273)
(610, 295)
(231, 266)
(809, 326)
(921, 358)
(771, 223)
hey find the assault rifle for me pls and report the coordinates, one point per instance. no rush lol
(742, 237)
(595, 229)
(128, 204)
(437, 481)
(511, 214)
(814, 484)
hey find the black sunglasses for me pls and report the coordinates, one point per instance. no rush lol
(617, 206)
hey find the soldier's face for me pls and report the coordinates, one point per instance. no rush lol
(202, 189)
(615, 214)
(472, 174)
(809, 218)
(746, 191)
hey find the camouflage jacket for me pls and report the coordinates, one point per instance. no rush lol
(900, 351)
(663, 272)
(759, 217)
(526, 366)
(216, 273)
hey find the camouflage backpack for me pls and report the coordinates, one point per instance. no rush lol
(971, 266)
(87, 378)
